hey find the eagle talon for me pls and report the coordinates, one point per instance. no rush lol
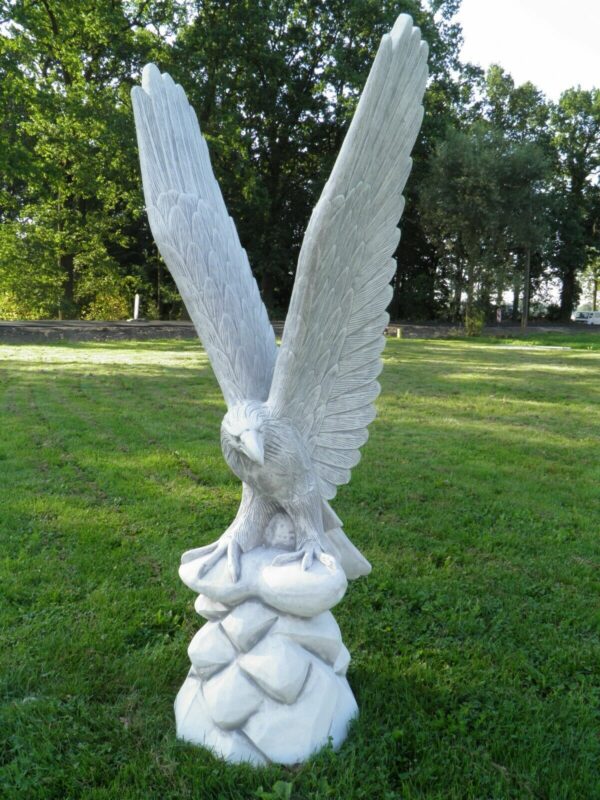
(223, 547)
(308, 552)
(198, 552)
(220, 548)
(234, 560)
(327, 561)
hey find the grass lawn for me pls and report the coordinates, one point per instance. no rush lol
(475, 640)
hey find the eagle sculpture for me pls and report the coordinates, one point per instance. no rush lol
(297, 414)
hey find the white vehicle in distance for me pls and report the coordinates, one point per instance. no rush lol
(587, 317)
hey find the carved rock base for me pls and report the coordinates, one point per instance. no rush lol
(265, 686)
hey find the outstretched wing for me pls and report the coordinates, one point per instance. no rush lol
(325, 375)
(198, 240)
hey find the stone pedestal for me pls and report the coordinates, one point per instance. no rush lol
(267, 682)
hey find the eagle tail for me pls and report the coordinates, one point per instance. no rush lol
(351, 559)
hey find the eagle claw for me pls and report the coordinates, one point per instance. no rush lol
(215, 552)
(307, 552)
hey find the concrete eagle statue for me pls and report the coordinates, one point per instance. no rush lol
(297, 414)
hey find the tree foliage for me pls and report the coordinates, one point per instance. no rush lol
(503, 194)
(576, 139)
(71, 200)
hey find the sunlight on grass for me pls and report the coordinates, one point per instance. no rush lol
(475, 640)
(109, 356)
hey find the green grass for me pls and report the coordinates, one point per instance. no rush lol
(475, 639)
(580, 340)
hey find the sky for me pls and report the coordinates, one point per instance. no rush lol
(552, 43)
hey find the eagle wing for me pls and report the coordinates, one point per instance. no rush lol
(198, 240)
(325, 378)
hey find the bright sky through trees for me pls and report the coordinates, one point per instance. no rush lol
(553, 44)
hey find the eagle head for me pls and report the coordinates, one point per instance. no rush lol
(242, 431)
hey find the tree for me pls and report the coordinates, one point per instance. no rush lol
(591, 280)
(275, 85)
(461, 210)
(522, 175)
(520, 112)
(576, 138)
(483, 205)
(71, 175)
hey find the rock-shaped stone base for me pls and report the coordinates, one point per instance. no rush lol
(265, 685)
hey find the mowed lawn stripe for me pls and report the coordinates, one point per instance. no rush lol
(474, 641)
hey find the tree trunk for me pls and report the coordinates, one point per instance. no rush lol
(458, 288)
(394, 307)
(470, 289)
(500, 286)
(526, 288)
(67, 265)
(266, 289)
(515, 303)
(595, 295)
(158, 292)
(485, 301)
(568, 293)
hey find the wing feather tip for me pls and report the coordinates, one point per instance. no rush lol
(402, 24)
(151, 78)
(168, 80)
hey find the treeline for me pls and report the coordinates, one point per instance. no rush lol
(503, 200)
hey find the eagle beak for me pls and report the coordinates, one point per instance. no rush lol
(253, 447)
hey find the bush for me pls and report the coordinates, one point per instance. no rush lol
(11, 308)
(474, 321)
(108, 306)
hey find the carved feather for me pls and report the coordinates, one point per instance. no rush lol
(325, 375)
(198, 240)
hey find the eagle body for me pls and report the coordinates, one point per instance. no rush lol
(287, 474)
(285, 480)
(298, 413)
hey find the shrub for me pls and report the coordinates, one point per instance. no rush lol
(474, 321)
(108, 306)
(11, 307)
